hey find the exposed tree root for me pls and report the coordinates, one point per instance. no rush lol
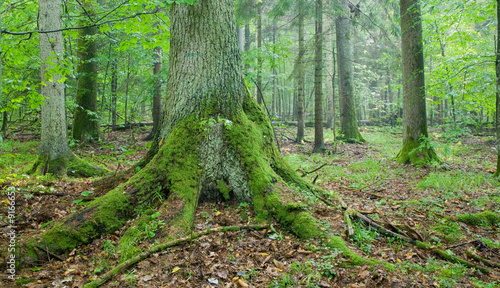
(441, 253)
(159, 247)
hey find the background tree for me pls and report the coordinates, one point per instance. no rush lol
(348, 119)
(157, 92)
(415, 137)
(319, 144)
(86, 121)
(497, 66)
(300, 74)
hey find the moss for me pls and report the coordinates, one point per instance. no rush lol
(416, 154)
(101, 216)
(224, 189)
(68, 164)
(486, 218)
(338, 243)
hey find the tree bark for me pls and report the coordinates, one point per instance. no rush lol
(53, 143)
(86, 123)
(319, 144)
(300, 79)
(348, 119)
(414, 109)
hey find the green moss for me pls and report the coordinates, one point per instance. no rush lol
(415, 153)
(224, 189)
(68, 164)
(336, 242)
(486, 218)
(101, 216)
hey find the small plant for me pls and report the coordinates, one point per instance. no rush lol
(363, 236)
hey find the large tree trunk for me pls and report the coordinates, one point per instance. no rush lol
(214, 142)
(86, 123)
(319, 145)
(157, 92)
(300, 80)
(497, 66)
(414, 110)
(348, 119)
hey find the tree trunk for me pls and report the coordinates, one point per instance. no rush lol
(319, 145)
(215, 142)
(275, 75)
(54, 149)
(157, 92)
(114, 88)
(330, 97)
(300, 80)
(348, 119)
(260, 97)
(497, 66)
(241, 37)
(86, 123)
(414, 149)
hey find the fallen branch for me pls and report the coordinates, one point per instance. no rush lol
(159, 247)
(443, 254)
(304, 173)
(478, 258)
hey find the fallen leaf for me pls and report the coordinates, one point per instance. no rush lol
(242, 283)
(175, 269)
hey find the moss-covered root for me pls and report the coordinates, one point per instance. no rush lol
(416, 153)
(101, 216)
(69, 164)
(478, 258)
(451, 258)
(486, 218)
(160, 247)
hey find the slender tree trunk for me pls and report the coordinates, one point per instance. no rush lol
(497, 66)
(127, 80)
(114, 88)
(260, 97)
(104, 81)
(275, 75)
(300, 80)
(2, 100)
(157, 92)
(86, 123)
(241, 37)
(319, 144)
(348, 119)
(414, 108)
(330, 76)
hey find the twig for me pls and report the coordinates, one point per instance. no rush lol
(50, 253)
(443, 254)
(462, 244)
(159, 247)
(304, 173)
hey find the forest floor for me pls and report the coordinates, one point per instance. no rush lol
(424, 201)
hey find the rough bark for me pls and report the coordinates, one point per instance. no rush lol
(86, 123)
(300, 79)
(414, 109)
(157, 92)
(319, 145)
(348, 119)
(497, 66)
